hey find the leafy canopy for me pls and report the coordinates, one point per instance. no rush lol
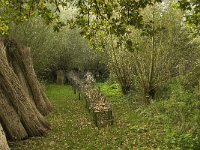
(115, 16)
(17, 11)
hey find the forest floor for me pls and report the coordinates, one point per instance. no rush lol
(135, 126)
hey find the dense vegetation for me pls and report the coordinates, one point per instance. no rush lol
(144, 55)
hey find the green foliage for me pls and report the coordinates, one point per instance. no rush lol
(3, 27)
(55, 50)
(109, 17)
(182, 140)
(194, 7)
(73, 127)
(192, 14)
(144, 52)
(20, 11)
(110, 89)
(157, 126)
(181, 112)
(141, 39)
(156, 51)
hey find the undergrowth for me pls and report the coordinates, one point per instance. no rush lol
(166, 124)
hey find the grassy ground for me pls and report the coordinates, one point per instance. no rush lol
(73, 127)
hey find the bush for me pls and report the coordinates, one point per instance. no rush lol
(180, 115)
(181, 141)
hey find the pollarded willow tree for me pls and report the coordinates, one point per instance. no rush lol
(114, 23)
(52, 51)
(160, 47)
(106, 23)
(23, 103)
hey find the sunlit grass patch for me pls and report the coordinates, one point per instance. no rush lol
(110, 89)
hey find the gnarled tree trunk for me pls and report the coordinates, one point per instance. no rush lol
(22, 100)
(11, 120)
(20, 59)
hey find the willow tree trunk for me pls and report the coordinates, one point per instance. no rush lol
(22, 65)
(9, 117)
(22, 101)
(3, 141)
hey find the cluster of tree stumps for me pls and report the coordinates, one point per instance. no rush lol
(95, 101)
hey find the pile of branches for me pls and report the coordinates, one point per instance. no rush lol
(95, 101)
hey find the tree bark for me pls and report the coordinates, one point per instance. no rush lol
(125, 88)
(3, 141)
(12, 124)
(22, 100)
(22, 65)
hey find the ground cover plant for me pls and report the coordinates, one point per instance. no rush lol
(135, 127)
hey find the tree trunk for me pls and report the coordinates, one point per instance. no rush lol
(22, 65)
(125, 89)
(3, 141)
(22, 101)
(60, 77)
(12, 124)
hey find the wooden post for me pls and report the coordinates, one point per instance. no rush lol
(95, 118)
(87, 104)
(110, 117)
(60, 77)
(74, 90)
(79, 96)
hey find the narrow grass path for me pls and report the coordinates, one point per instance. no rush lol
(73, 128)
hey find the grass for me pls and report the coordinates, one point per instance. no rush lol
(73, 128)
(112, 90)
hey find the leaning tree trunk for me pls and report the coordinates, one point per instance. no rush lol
(22, 65)
(22, 101)
(9, 117)
(3, 141)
